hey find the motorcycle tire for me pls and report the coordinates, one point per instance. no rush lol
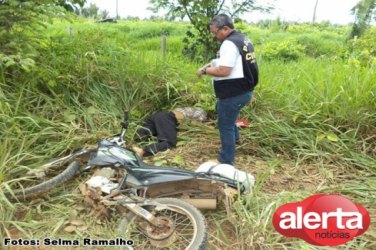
(185, 225)
(30, 190)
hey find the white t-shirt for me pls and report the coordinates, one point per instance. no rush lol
(229, 56)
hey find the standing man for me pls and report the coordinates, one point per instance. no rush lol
(235, 74)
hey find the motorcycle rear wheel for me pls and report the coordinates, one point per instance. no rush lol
(182, 227)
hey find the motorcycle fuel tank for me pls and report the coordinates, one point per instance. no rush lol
(109, 153)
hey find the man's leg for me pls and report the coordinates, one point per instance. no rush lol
(146, 131)
(166, 131)
(228, 110)
(166, 128)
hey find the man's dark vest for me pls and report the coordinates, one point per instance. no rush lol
(237, 86)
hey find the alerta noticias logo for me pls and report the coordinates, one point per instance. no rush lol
(322, 220)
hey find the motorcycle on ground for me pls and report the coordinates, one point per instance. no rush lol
(160, 204)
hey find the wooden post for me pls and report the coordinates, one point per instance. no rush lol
(164, 45)
(70, 32)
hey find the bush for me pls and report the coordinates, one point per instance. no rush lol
(284, 50)
(317, 45)
(364, 48)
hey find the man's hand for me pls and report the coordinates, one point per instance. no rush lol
(138, 151)
(203, 70)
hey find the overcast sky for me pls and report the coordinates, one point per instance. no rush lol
(335, 11)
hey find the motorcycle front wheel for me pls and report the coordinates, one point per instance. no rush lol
(47, 176)
(27, 187)
(180, 226)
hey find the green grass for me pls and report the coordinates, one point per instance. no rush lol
(314, 114)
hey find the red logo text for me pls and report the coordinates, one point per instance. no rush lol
(322, 220)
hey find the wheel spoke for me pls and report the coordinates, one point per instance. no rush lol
(181, 238)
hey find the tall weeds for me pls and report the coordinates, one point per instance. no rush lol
(316, 111)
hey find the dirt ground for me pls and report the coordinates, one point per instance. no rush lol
(281, 174)
(199, 144)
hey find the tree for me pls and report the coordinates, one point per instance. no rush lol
(199, 43)
(365, 12)
(71, 5)
(20, 22)
(91, 11)
(104, 14)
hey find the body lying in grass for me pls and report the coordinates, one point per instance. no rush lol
(164, 126)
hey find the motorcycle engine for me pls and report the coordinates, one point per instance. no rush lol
(103, 181)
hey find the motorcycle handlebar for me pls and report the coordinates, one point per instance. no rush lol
(125, 123)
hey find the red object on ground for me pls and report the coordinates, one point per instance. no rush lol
(241, 123)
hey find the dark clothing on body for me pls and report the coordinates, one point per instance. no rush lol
(163, 125)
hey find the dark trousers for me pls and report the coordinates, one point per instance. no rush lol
(163, 125)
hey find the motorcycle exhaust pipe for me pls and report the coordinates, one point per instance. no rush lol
(202, 203)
